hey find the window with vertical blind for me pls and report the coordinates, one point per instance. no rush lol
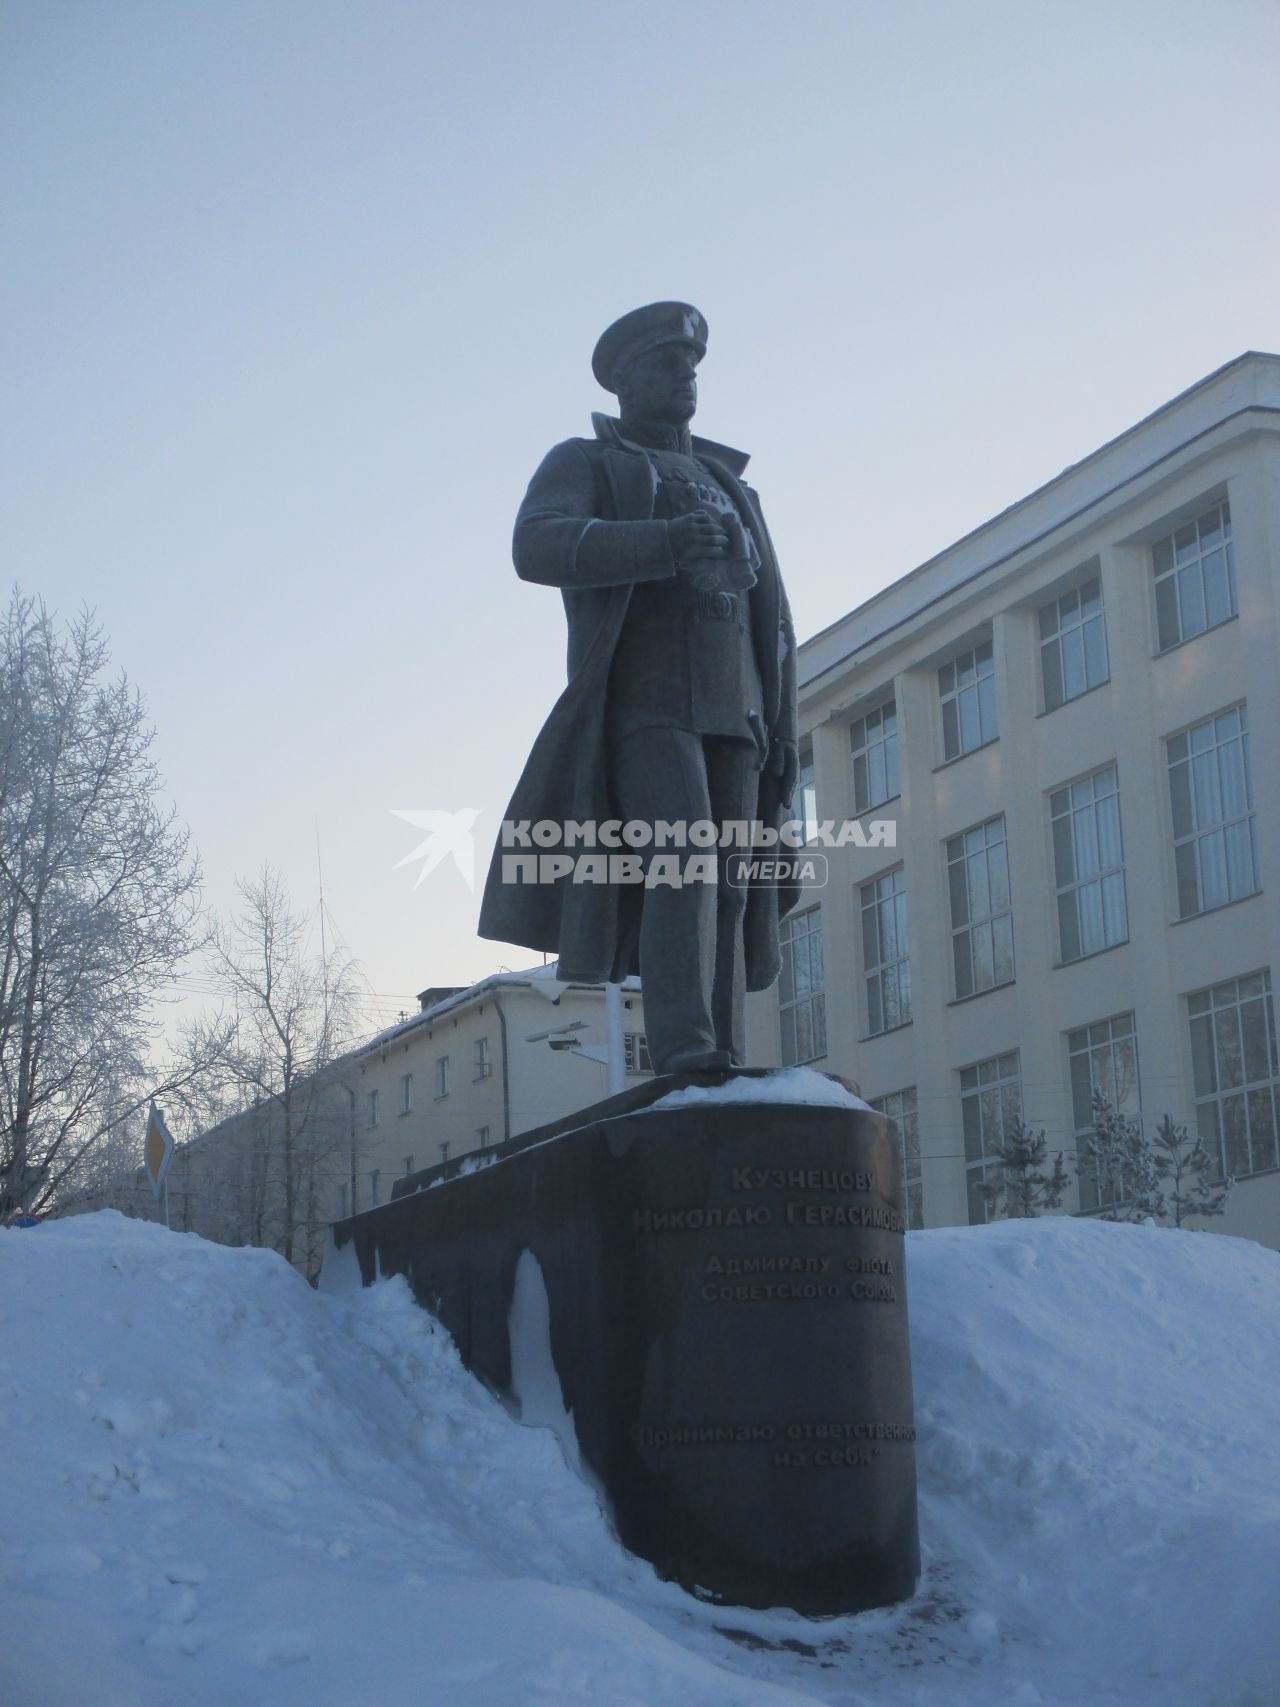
(1088, 859)
(981, 908)
(635, 1053)
(990, 1100)
(900, 1106)
(873, 745)
(1236, 1073)
(886, 967)
(802, 1003)
(1101, 1057)
(1195, 576)
(967, 697)
(1215, 836)
(1073, 644)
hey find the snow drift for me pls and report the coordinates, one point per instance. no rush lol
(221, 1486)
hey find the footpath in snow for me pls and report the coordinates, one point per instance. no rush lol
(222, 1487)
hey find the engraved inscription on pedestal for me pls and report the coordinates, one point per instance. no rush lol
(792, 1302)
(727, 1298)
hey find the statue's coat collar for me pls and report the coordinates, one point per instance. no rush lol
(610, 431)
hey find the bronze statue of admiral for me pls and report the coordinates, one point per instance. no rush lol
(681, 699)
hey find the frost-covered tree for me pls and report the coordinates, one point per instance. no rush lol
(294, 1008)
(98, 903)
(1196, 1188)
(1024, 1184)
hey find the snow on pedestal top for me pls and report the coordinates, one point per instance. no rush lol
(789, 1084)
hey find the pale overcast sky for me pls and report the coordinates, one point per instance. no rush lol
(297, 293)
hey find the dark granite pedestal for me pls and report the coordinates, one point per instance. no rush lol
(725, 1306)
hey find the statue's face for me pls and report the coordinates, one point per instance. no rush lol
(661, 385)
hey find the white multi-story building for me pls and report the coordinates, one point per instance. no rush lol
(473, 1067)
(477, 1066)
(1071, 718)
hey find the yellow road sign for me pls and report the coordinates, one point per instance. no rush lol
(157, 1150)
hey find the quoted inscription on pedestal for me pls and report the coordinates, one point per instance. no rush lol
(794, 1208)
(792, 1446)
(787, 1276)
(735, 1280)
(766, 1260)
(729, 1335)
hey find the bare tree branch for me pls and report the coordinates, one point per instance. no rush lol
(99, 900)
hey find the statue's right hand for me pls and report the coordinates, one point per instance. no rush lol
(696, 537)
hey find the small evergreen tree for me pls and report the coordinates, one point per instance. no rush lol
(1023, 1188)
(1102, 1157)
(1130, 1169)
(1123, 1162)
(1190, 1170)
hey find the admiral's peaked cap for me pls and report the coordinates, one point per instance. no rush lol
(645, 329)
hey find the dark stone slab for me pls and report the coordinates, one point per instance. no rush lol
(635, 1097)
(727, 1322)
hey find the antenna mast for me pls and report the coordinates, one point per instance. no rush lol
(324, 954)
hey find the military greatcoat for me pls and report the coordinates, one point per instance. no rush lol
(594, 927)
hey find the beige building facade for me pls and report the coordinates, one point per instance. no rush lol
(471, 1068)
(479, 1065)
(1070, 718)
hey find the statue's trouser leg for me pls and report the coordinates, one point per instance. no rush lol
(733, 778)
(691, 954)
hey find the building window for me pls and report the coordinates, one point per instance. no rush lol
(900, 1106)
(481, 1066)
(807, 792)
(1215, 838)
(1088, 860)
(1236, 1073)
(442, 1076)
(967, 690)
(482, 1137)
(990, 1101)
(444, 1151)
(635, 1052)
(375, 1174)
(885, 965)
(371, 1105)
(1101, 1057)
(406, 1093)
(873, 741)
(981, 908)
(804, 806)
(1195, 570)
(802, 1005)
(1073, 644)
(408, 1164)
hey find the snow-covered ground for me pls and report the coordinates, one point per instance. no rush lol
(223, 1488)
